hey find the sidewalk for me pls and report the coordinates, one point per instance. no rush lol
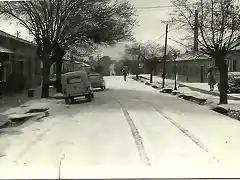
(199, 87)
(7, 102)
(201, 91)
(204, 88)
(15, 108)
(158, 81)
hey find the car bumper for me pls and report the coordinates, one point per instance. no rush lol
(96, 85)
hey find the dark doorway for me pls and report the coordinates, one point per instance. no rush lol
(234, 65)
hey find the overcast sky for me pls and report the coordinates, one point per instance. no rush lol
(149, 27)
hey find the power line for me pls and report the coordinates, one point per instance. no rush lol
(165, 33)
(158, 7)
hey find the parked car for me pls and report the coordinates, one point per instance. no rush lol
(233, 82)
(76, 84)
(97, 81)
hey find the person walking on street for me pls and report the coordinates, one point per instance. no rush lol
(125, 74)
(211, 79)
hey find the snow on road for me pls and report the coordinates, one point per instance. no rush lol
(129, 130)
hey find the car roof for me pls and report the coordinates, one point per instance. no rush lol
(74, 73)
(97, 74)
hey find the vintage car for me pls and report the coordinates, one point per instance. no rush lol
(233, 82)
(75, 84)
(97, 81)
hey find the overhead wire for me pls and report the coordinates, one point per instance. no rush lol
(161, 6)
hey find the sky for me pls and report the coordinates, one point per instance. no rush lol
(149, 28)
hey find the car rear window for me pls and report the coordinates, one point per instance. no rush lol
(74, 80)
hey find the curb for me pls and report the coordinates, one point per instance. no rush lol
(23, 120)
(208, 92)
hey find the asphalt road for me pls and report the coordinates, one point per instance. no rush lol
(128, 130)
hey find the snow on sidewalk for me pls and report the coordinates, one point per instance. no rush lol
(232, 104)
(204, 88)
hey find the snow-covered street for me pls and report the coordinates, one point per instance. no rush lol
(128, 130)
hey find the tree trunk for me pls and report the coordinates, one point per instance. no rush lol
(59, 54)
(137, 69)
(223, 70)
(45, 79)
(58, 75)
(220, 61)
(46, 69)
(151, 76)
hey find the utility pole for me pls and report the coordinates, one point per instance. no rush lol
(138, 58)
(18, 34)
(195, 45)
(165, 58)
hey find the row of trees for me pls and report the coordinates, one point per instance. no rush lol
(150, 54)
(59, 26)
(218, 28)
(218, 23)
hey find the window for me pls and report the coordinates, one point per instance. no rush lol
(73, 80)
(234, 65)
(54, 68)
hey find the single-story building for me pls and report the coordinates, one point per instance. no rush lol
(19, 56)
(193, 66)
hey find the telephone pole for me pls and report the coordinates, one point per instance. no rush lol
(165, 58)
(138, 59)
(195, 44)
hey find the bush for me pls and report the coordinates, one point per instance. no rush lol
(15, 83)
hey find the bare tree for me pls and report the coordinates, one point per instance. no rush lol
(41, 19)
(218, 24)
(56, 25)
(150, 53)
(95, 22)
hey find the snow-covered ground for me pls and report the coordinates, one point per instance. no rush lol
(129, 130)
(232, 104)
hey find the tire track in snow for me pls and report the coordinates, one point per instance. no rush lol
(136, 135)
(184, 131)
(38, 139)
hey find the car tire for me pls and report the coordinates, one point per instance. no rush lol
(102, 88)
(89, 97)
(68, 100)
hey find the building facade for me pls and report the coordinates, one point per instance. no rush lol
(193, 67)
(18, 56)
